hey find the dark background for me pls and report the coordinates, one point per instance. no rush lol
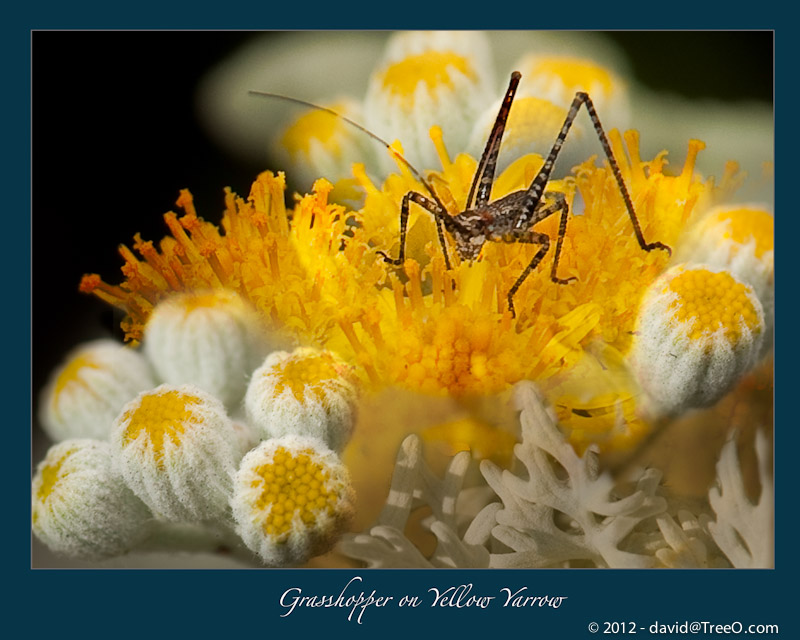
(115, 137)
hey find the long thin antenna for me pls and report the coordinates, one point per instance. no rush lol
(353, 123)
(395, 154)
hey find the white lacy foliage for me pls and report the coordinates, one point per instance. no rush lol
(564, 512)
(532, 521)
(414, 485)
(743, 530)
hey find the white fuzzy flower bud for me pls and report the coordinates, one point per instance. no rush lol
(698, 331)
(740, 239)
(306, 392)
(177, 450)
(318, 143)
(292, 499)
(429, 78)
(558, 78)
(81, 506)
(546, 91)
(213, 340)
(86, 393)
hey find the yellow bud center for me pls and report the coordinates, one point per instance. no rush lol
(72, 370)
(161, 416)
(574, 72)
(51, 474)
(294, 489)
(713, 301)
(306, 374)
(434, 68)
(314, 125)
(531, 118)
(746, 224)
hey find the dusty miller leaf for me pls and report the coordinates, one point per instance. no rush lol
(743, 530)
(565, 510)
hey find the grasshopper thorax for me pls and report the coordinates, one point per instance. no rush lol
(472, 229)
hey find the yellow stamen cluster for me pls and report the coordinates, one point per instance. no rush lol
(160, 416)
(306, 374)
(293, 488)
(315, 274)
(432, 67)
(458, 352)
(711, 302)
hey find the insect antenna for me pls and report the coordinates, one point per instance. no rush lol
(395, 154)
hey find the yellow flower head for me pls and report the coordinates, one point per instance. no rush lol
(306, 392)
(428, 78)
(318, 143)
(314, 273)
(741, 240)
(557, 78)
(317, 273)
(85, 394)
(699, 329)
(177, 450)
(292, 498)
(208, 339)
(79, 504)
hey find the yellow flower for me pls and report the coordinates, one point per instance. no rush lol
(177, 450)
(315, 275)
(80, 505)
(306, 392)
(292, 498)
(699, 330)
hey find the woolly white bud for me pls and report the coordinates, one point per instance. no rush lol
(177, 450)
(81, 506)
(740, 239)
(546, 91)
(86, 393)
(292, 499)
(697, 332)
(318, 143)
(212, 340)
(306, 392)
(429, 78)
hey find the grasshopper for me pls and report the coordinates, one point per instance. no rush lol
(512, 217)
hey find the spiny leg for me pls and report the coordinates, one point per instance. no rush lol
(601, 134)
(559, 204)
(442, 243)
(431, 207)
(484, 174)
(531, 237)
(537, 187)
